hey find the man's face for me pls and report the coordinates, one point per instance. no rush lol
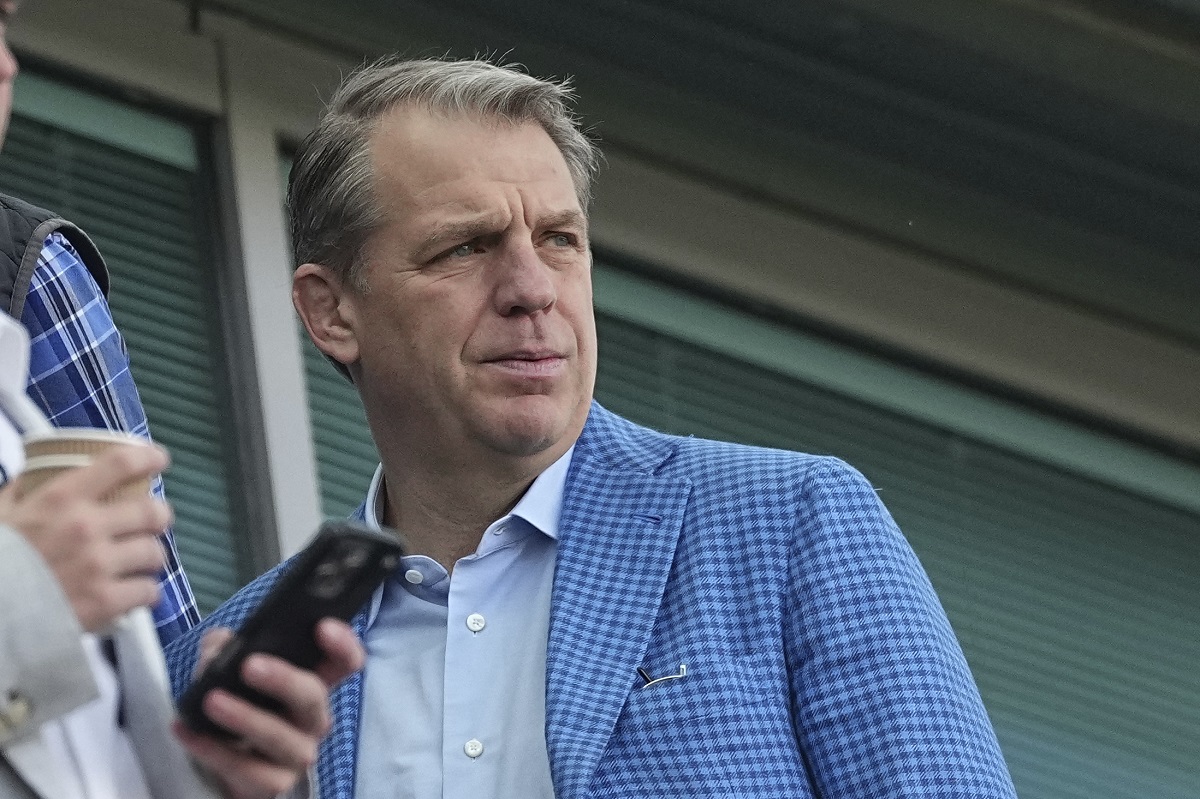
(475, 333)
(8, 65)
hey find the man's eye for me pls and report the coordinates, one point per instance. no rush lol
(462, 251)
(562, 240)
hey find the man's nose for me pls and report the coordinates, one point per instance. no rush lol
(525, 284)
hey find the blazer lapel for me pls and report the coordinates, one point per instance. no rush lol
(617, 537)
(336, 762)
(142, 672)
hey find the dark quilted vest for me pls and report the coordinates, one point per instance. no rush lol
(23, 230)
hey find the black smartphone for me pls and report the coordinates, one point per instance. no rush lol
(334, 575)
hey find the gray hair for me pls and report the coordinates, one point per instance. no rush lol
(333, 209)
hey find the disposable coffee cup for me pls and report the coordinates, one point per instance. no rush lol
(49, 455)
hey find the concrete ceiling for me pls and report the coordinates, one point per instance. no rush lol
(977, 130)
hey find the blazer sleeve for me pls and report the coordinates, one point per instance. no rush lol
(44, 672)
(882, 698)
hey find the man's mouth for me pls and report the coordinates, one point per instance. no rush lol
(529, 363)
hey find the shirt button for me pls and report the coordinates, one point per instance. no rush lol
(473, 748)
(415, 577)
(475, 623)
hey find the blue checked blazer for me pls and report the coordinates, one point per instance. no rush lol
(819, 661)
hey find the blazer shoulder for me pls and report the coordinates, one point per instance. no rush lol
(719, 460)
(627, 443)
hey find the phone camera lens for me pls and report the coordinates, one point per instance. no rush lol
(355, 559)
(327, 579)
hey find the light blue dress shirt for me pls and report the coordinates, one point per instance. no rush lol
(454, 694)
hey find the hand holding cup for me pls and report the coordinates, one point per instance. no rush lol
(88, 511)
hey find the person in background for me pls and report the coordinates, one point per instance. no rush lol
(589, 608)
(84, 707)
(54, 281)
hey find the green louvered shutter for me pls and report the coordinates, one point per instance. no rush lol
(147, 216)
(345, 453)
(1076, 603)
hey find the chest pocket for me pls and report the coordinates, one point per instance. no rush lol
(723, 729)
(713, 686)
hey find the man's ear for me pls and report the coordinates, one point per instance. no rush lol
(327, 309)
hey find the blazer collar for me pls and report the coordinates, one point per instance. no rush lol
(337, 760)
(142, 672)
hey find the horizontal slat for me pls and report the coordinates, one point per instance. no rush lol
(346, 456)
(144, 217)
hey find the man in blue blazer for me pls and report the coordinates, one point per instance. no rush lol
(588, 608)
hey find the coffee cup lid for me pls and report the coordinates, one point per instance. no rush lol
(90, 433)
(56, 462)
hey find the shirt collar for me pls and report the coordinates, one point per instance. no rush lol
(540, 505)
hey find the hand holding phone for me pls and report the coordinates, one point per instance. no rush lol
(333, 577)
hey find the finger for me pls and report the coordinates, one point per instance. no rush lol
(138, 555)
(212, 643)
(133, 592)
(101, 608)
(110, 470)
(242, 773)
(344, 652)
(136, 516)
(262, 732)
(303, 694)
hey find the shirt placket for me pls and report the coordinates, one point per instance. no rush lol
(472, 742)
